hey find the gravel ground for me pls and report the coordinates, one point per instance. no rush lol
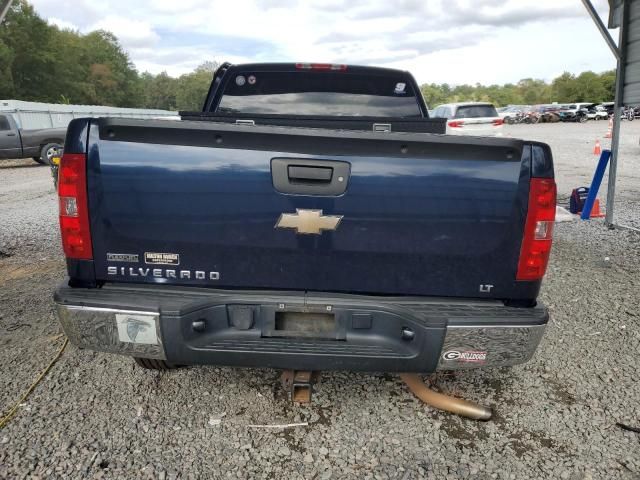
(98, 416)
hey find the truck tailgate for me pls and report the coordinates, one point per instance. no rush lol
(193, 203)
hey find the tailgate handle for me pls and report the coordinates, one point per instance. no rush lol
(299, 173)
(305, 176)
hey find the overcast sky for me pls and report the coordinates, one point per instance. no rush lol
(454, 41)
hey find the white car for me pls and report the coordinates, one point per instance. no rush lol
(574, 107)
(598, 113)
(470, 118)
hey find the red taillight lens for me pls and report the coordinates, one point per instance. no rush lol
(538, 230)
(74, 211)
(320, 66)
(498, 121)
(455, 123)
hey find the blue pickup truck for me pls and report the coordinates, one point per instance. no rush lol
(310, 217)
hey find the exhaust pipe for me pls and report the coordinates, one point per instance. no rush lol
(444, 402)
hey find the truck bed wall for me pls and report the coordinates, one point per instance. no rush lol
(417, 125)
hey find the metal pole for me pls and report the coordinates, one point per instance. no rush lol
(595, 184)
(615, 137)
(603, 30)
(4, 8)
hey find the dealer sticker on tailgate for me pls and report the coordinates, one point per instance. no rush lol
(161, 258)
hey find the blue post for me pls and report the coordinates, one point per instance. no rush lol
(595, 184)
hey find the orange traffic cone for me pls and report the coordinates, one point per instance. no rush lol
(595, 211)
(609, 129)
(596, 148)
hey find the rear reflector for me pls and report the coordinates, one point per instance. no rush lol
(538, 230)
(320, 66)
(68, 206)
(498, 121)
(74, 211)
(456, 123)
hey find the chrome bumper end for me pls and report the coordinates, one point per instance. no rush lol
(126, 332)
(473, 346)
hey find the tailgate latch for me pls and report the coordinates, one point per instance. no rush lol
(381, 127)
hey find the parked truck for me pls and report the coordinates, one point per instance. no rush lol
(39, 144)
(310, 217)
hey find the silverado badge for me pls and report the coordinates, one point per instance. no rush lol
(308, 221)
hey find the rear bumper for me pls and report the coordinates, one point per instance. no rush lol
(489, 132)
(185, 325)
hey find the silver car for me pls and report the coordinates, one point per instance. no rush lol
(470, 118)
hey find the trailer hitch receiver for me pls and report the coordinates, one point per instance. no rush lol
(298, 384)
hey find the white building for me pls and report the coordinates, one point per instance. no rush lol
(34, 115)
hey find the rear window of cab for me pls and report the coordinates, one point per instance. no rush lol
(319, 93)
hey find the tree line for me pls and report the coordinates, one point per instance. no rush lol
(43, 63)
(567, 88)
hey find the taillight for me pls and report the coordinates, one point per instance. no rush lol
(320, 66)
(538, 230)
(456, 123)
(498, 121)
(74, 211)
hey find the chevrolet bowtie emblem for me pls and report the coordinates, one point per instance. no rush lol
(308, 221)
